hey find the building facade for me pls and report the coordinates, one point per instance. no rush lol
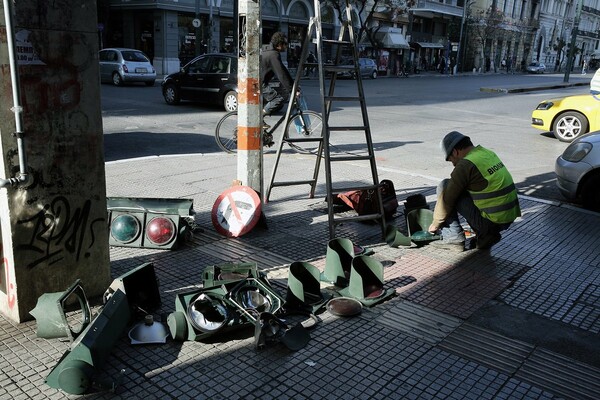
(480, 35)
(557, 19)
(172, 32)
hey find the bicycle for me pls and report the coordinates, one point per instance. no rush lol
(402, 72)
(301, 124)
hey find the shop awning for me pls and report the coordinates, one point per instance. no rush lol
(393, 40)
(429, 45)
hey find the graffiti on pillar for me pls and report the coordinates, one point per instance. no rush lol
(6, 285)
(58, 229)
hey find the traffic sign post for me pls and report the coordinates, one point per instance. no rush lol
(236, 211)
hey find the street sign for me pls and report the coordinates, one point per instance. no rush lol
(196, 23)
(236, 211)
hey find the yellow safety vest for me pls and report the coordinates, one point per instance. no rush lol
(498, 202)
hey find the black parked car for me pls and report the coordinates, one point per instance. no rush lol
(209, 78)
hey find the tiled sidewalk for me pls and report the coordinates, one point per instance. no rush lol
(427, 342)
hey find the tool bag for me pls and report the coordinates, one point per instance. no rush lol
(365, 201)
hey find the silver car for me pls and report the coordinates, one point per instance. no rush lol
(367, 67)
(118, 65)
(578, 171)
(536, 68)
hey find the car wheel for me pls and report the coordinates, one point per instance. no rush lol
(230, 101)
(116, 79)
(569, 125)
(374, 75)
(590, 193)
(151, 83)
(171, 94)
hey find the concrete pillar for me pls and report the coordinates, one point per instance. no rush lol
(166, 37)
(54, 229)
(249, 163)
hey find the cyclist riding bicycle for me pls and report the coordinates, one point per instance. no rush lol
(272, 66)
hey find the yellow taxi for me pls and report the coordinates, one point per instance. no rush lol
(568, 117)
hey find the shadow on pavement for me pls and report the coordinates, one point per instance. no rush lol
(119, 146)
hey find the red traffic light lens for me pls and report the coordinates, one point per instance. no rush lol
(125, 228)
(160, 230)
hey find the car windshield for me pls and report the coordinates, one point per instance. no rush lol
(135, 56)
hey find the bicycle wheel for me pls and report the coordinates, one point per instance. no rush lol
(226, 132)
(307, 124)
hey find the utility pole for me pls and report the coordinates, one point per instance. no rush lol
(249, 136)
(459, 61)
(573, 39)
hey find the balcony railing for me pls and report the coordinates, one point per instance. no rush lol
(588, 34)
(448, 7)
(590, 10)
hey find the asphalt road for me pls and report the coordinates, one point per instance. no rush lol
(408, 117)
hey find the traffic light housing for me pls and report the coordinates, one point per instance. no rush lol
(149, 223)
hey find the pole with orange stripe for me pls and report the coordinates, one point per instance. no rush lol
(249, 136)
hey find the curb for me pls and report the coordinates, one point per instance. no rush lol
(521, 89)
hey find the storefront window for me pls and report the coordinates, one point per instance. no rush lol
(327, 15)
(114, 30)
(296, 35)
(269, 8)
(227, 45)
(188, 48)
(299, 11)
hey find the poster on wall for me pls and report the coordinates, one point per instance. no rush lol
(382, 60)
(26, 54)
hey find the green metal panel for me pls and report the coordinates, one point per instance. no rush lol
(50, 313)
(73, 373)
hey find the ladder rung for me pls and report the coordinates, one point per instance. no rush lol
(347, 128)
(291, 183)
(335, 41)
(351, 189)
(367, 217)
(304, 140)
(342, 98)
(349, 158)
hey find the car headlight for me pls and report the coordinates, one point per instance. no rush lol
(577, 151)
(544, 105)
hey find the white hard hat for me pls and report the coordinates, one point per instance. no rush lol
(449, 141)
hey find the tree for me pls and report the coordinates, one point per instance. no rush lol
(486, 26)
(366, 12)
(559, 46)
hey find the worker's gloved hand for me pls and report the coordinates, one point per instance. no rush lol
(433, 228)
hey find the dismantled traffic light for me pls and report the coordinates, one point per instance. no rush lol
(149, 223)
(93, 340)
(237, 295)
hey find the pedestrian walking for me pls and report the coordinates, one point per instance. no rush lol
(480, 188)
(584, 68)
(311, 59)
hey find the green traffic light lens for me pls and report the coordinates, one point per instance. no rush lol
(125, 228)
(160, 230)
